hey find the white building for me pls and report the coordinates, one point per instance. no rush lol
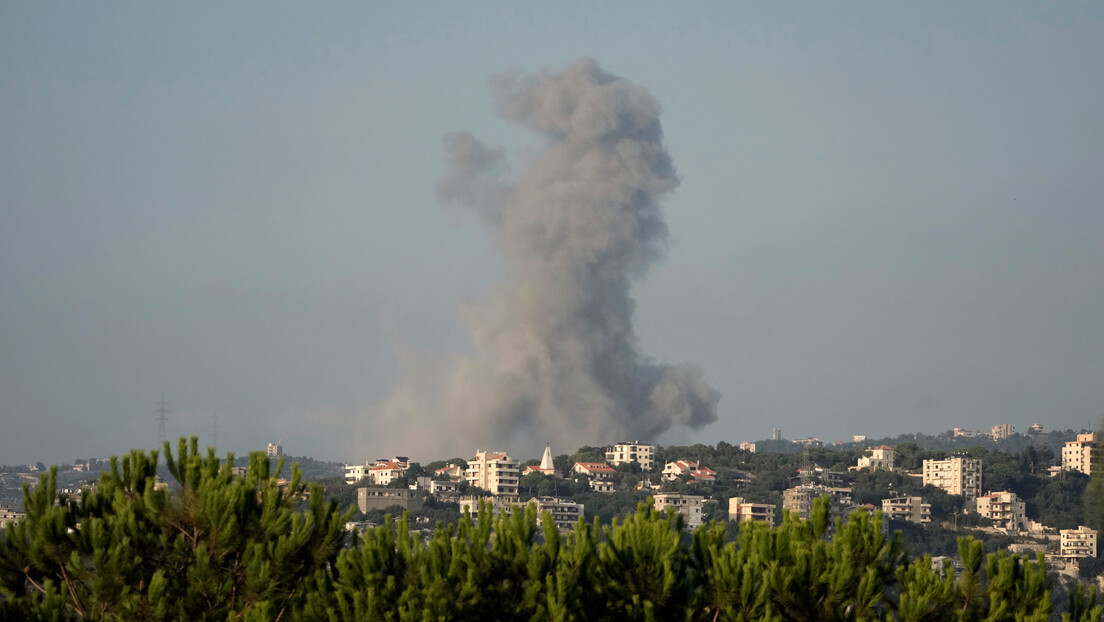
(1077, 455)
(956, 475)
(387, 472)
(600, 474)
(454, 472)
(624, 453)
(1004, 508)
(356, 472)
(1080, 542)
(911, 509)
(674, 470)
(880, 457)
(495, 472)
(274, 450)
(1002, 430)
(858, 438)
(690, 506)
(546, 467)
(748, 447)
(741, 511)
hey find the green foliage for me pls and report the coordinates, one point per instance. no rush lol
(216, 546)
(224, 547)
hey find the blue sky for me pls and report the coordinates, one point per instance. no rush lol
(890, 218)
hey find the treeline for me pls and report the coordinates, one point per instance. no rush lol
(217, 546)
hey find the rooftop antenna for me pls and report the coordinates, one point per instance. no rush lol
(162, 410)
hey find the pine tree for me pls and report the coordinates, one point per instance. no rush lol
(215, 546)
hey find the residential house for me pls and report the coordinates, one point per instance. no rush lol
(454, 473)
(379, 498)
(635, 451)
(1080, 542)
(1004, 508)
(957, 475)
(494, 471)
(384, 474)
(565, 514)
(907, 508)
(741, 511)
(1077, 455)
(9, 517)
(356, 472)
(799, 499)
(674, 470)
(880, 457)
(690, 506)
(600, 474)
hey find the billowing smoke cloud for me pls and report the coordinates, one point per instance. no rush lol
(556, 354)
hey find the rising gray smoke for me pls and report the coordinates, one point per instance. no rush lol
(557, 358)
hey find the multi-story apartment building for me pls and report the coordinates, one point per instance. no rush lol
(624, 453)
(564, 513)
(880, 457)
(1080, 542)
(799, 499)
(495, 472)
(383, 474)
(748, 447)
(1077, 455)
(906, 508)
(274, 450)
(956, 475)
(1002, 430)
(1004, 508)
(690, 506)
(741, 511)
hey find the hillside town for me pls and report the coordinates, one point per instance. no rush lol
(1020, 491)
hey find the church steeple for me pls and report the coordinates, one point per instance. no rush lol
(546, 460)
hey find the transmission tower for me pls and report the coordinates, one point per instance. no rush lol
(807, 473)
(162, 411)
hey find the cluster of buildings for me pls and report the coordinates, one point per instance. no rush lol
(497, 476)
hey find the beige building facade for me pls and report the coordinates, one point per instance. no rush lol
(690, 506)
(494, 471)
(635, 451)
(957, 475)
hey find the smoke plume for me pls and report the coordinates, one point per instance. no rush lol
(556, 358)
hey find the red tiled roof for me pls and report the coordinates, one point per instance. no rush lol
(387, 466)
(601, 467)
